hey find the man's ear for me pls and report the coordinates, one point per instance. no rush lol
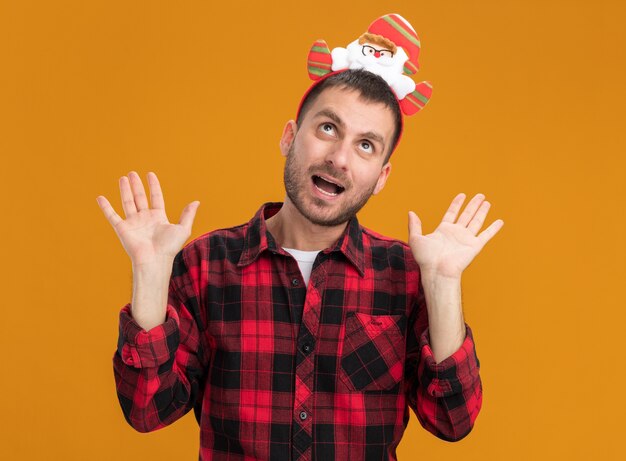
(382, 178)
(289, 133)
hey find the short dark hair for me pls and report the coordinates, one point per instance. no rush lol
(372, 88)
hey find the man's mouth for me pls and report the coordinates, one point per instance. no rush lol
(327, 186)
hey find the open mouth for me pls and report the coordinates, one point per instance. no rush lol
(327, 187)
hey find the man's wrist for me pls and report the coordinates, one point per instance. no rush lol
(150, 293)
(434, 279)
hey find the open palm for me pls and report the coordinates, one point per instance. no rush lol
(146, 233)
(454, 243)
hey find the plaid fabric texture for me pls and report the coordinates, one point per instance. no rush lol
(275, 370)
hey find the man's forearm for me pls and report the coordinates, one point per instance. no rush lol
(150, 293)
(445, 314)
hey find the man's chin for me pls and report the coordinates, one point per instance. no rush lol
(328, 222)
(326, 219)
(322, 213)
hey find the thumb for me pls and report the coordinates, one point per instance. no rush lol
(415, 225)
(188, 214)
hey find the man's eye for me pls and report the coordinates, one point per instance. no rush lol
(367, 147)
(327, 127)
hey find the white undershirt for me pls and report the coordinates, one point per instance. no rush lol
(305, 261)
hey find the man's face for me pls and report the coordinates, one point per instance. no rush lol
(335, 158)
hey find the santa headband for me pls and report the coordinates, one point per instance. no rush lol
(390, 49)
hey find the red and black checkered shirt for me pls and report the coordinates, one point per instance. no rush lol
(276, 370)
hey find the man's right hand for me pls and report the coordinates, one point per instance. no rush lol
(151, 242)
(146, 234)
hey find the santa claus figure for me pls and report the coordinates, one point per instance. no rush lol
(390, 48)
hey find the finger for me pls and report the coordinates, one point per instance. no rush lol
(479, 218)
(470, 209)
(156, 195)
(108, 210)
(128, 202)
(453, 209)
(138, 191)
(492, 230)
(415, 225)
(188, 215)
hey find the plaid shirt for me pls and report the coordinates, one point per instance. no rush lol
(275, 370)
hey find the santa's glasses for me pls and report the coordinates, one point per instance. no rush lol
(370, 50)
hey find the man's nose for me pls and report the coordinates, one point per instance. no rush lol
(377, 54)
(339, 154)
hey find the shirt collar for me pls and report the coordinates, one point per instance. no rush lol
(259, 239)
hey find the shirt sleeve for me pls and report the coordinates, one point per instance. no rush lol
(159, 373)
(446, 396)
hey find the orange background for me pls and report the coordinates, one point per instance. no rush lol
(528, 108)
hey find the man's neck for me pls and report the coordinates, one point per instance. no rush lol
(292, 230)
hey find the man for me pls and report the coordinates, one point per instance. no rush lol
(301, 334)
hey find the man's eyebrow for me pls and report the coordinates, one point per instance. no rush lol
(375, 136)
(335, 118)
(331, 115)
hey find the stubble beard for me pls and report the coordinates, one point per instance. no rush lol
(297, 181)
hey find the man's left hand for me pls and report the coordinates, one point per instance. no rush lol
(454, 243)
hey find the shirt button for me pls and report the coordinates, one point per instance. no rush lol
(295, 282)
(303, 415)
(306, 348)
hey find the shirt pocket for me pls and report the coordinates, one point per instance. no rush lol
(372, 358)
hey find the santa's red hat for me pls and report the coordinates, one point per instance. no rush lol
(397, 29)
